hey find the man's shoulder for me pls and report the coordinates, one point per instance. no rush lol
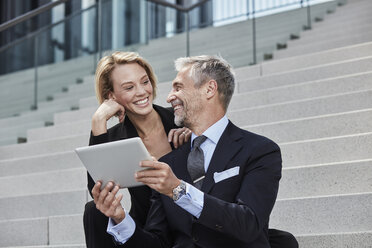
(252, 139)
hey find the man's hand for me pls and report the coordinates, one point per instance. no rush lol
(108, 202)
(158, 176)
(179, 136)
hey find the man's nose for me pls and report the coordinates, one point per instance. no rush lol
(171, 97)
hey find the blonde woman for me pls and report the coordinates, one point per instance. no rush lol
(126, 87)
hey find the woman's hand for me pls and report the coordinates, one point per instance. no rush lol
(105, 111)
(179, 136)
(108, 202)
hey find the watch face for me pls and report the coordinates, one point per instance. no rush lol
(179, 191)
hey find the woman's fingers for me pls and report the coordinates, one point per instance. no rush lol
(177, 136)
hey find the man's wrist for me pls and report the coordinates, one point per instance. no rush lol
(120, 218)
(179, 191)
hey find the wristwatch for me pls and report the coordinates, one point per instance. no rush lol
(179, 191)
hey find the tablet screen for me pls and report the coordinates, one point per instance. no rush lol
(114, 161)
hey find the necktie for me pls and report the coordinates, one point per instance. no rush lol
(195, 162)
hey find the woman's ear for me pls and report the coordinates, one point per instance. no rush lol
(211, 88)
(111, 95)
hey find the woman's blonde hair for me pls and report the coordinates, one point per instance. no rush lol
(106, 65)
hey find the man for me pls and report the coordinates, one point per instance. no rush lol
(217, 191)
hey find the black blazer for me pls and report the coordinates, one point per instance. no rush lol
(236, 210)
(139, 195)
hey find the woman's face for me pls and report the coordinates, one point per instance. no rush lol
(132, 88)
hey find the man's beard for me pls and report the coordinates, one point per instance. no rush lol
(179, 120)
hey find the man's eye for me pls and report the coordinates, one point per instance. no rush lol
(128, 88)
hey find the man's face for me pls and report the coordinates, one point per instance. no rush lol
(186, 100)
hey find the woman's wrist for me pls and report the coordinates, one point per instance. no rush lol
(99, 124)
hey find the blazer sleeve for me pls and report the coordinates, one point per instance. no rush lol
(249, 214)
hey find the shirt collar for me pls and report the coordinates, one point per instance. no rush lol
(215, 131)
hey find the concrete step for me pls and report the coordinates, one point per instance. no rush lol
(32, 116)
(349, 28)
(62, 130)
(88, 102)
(326, 240)
(53, 230)
(351, 16)
(68, 101)
(327, 150)
(77, 115)
(330, 125)
(331, 70)
(34, 183)
(302, 108)
(326, 179)
(316, 59)
(43, 147)
(36, 230)
(56, 203)
(362, 33)
(8, 141)
(327, 214)
(325, 45)
(39, 163)
(19, 130)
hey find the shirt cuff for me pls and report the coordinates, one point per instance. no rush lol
(192, 201)
(122, 231)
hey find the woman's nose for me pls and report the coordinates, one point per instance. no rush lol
(141, 90)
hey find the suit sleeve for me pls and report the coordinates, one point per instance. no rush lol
(249, 214)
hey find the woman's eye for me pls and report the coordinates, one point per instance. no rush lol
(146, 82)
(128, 88)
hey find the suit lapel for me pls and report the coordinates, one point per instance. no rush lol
(226, 149)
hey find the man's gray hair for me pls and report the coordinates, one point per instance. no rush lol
(204, 68)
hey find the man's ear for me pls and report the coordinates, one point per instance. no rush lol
(211, 88)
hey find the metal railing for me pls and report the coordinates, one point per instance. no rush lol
(98, 46)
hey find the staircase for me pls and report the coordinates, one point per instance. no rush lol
(57, 91)
(314, 99)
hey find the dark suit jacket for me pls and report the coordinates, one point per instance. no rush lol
(139, 195)
(236, 210)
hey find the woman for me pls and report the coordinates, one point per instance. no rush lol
(126, 87)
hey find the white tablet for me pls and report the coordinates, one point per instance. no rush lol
(114, 161)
